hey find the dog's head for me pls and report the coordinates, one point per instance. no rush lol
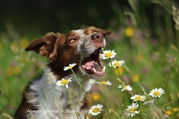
(81, 46)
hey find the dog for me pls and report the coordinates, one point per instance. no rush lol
(42, 98)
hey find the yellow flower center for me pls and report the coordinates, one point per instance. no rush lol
(108, 54)
(103, 82)
(64, 82)
(132, 110)
(156, 93)
(125, 87)
(96, 110)
(116, 64)
(70, 67)
(138, 98)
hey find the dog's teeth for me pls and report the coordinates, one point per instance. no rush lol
(83, 66)
(95, 63)
(94, 69)
(87, 68)
(104, 68)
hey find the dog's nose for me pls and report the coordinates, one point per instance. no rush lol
(97, 37)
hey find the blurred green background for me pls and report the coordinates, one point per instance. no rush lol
(145, 33)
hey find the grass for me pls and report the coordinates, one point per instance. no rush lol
(150, 62)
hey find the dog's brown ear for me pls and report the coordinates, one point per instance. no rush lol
(92, 29)
(45, 45)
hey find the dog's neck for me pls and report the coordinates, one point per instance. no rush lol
(48, 95)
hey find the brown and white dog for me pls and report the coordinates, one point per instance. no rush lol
(43, 99)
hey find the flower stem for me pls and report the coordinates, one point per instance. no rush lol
(78, 80)
(140, 108)
(76, 112)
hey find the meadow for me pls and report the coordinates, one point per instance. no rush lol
(151, 61)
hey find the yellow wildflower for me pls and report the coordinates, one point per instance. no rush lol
(135, 78)
(139, 57)
(175, 109)
(119, 70)
(169, 112)
(24, 42)
(13, 70)
(96, 96)
(14, 47)
(129, 31)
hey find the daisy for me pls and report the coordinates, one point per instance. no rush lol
(132, 109)
(69, 67)
(116, 63)
(138, 98)
(156, 93)
(64, 82)
(107, 54)
(125, 88)
(104, 83)
(96, 109)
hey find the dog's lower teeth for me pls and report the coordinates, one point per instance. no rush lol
(104, 68)
(87, 68)
(83, 66)
(95, 63)
(94, 69)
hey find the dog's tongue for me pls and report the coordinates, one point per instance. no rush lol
(89, 65)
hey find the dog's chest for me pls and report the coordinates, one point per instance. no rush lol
(54, 101)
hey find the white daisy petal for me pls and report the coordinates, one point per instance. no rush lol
(120, 86)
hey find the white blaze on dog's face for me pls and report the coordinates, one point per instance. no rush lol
(81, 46)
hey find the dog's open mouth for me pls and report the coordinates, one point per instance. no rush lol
(93, 64)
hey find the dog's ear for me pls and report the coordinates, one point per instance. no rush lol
(92, 29)
(45, 46)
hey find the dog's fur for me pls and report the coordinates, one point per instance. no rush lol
(43, 99)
